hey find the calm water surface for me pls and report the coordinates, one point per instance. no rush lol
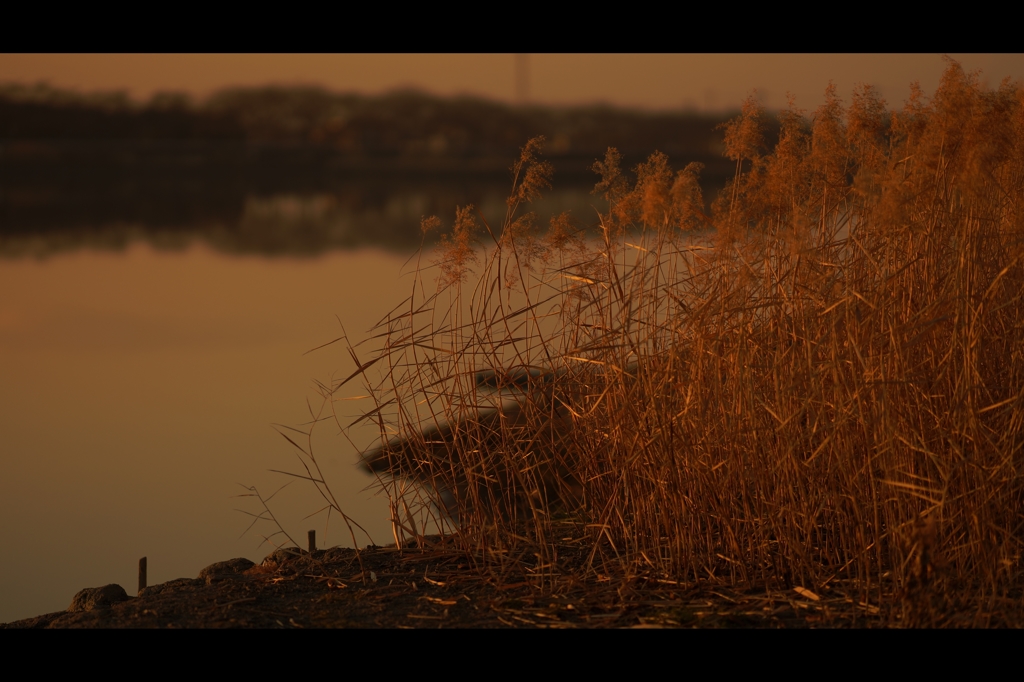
(137, 391)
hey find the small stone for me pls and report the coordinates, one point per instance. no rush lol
(282, 556)
(338, 554)
(175, 585)
(92, 598)
(225, 569)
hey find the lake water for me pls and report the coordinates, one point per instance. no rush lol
(150, 340)
(138, 389)
(152, 334)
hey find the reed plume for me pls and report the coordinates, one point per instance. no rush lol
(815, 384)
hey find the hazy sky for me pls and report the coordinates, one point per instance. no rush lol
(655, 81)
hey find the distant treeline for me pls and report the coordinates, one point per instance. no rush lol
(74, 161)
(41, 113)
(407, 124)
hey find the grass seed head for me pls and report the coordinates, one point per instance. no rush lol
(783, 410)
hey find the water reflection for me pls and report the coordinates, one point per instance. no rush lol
(368, 214)
(139, 389)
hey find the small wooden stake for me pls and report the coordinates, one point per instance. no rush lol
(142, 573)
(312, 541)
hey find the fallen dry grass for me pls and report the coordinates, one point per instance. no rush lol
(813, 388)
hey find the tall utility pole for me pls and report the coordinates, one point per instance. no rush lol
(522, 69)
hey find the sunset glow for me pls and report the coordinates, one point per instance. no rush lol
(657, 81)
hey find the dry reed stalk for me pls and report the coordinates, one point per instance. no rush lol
(818, 386)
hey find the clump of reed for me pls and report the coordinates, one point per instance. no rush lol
(816, 383)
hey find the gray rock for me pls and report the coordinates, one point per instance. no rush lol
(92, 598)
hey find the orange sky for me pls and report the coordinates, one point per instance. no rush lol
(652, 81)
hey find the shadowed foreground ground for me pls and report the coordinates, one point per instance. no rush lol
(435, 588)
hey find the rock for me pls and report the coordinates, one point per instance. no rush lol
(282, 556)
(337, 554)
(92, 598)
(225, 569)
(171, 586)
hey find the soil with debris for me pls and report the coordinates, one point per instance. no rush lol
(433, 587)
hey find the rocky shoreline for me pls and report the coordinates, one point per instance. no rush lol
(433, 587)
